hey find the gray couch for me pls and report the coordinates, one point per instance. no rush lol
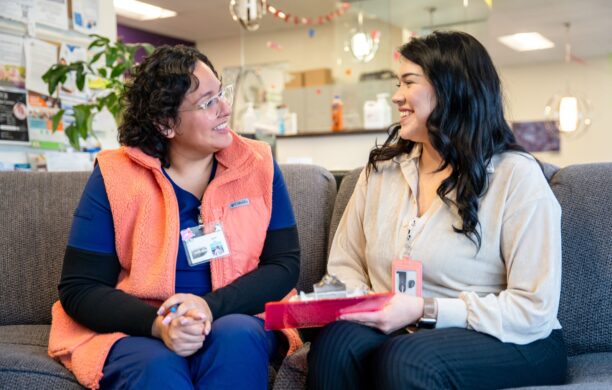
(36, 211)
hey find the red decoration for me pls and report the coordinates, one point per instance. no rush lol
(327, 18)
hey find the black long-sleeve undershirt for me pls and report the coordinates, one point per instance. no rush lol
(88, 294)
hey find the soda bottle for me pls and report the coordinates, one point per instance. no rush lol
(337, 106)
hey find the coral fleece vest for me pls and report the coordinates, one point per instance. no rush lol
(146, 222)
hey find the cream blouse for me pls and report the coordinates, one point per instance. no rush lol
(509, 288)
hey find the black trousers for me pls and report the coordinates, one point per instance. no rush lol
(346, 355)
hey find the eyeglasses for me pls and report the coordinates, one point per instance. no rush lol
(213, 105)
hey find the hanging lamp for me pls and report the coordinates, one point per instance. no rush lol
(363, 46)
(248, 12)
(568, 110)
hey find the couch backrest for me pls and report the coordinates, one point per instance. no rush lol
(584, 192)
(347, 185)
(35, 217)
(585, 312)
(313, 191)
(36, 212)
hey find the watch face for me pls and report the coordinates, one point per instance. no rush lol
(427, 323)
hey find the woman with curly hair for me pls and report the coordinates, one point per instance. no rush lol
(180, 237)
(450, 192)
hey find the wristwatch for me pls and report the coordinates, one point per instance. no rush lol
(430, 314)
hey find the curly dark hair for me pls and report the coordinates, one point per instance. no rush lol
(467, 126)
(152, 97)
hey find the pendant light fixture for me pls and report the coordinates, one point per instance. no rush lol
(362, 45)
(248, 12)
(568, 110)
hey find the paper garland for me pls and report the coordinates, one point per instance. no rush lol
(322, 19)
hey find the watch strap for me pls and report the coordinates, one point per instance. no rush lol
(430, 314)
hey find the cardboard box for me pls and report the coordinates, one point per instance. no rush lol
(296, 80)
(316, 77)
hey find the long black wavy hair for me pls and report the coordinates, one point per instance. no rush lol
(153, 95)
(467, 126)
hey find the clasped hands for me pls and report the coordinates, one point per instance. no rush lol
(183, 330)
(401, 311)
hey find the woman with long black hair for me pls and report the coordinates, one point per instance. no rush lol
(451, 191)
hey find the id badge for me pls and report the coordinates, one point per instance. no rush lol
(407, 277)
(204, 243)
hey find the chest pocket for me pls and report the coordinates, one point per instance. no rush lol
(245, 223)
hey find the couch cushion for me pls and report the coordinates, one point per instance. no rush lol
(347, 186)
(312, 190)
(292, 373)
(585, 310)
(35, 218)
(34, 335)
(588, 371)
(24, 363)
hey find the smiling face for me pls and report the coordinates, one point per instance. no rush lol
(201, 131)
(415, 99)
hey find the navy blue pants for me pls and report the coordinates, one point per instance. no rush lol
(347, 355)
(235, 355)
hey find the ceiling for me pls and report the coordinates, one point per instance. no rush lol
(590, 34)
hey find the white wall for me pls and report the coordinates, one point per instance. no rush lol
(298, 50)
(528, 89)
(324, 50)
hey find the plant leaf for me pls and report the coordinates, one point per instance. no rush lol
(119, 70)
(111, 56)
(82, 119)
(54, 76)
(96, 57)
(148, 48)
(98, 41)
(80, 79)
(57, 118)
(73, 136)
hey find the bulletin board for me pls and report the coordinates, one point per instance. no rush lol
(34, 35)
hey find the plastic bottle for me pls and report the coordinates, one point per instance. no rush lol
(282, 112)
(337, 108)
(248, 119)
(384, 110)
(371, 115)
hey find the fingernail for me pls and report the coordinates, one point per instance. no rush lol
(166, 320)
(160, 310)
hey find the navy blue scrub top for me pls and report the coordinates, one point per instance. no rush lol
(92, 225)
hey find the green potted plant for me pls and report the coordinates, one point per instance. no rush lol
(108, 65)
